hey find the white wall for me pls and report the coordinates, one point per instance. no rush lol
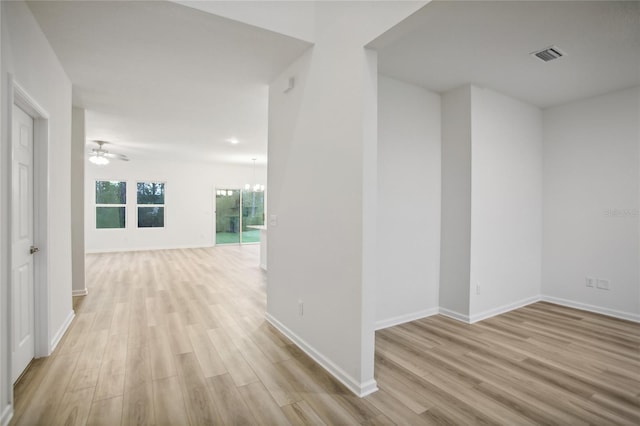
(506, 212)
(26, 54)
(189, 202)
(408, 202)
(455, 242)
(6, 389)
(491, 203)
(591, 224)
(322, 156)
(78, 148)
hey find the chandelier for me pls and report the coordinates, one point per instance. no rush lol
(256, 187)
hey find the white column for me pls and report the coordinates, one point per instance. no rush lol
(78, 147)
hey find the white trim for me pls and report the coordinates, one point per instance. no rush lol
(367, 388)
(503, 309)
(7, 415)
(401, 319)
(453, 314)
(21, 98)
(58, 336)
(360, 389)
(41, 234)
(119, 250)
(629, 316)
(591, 308)
(82, 292)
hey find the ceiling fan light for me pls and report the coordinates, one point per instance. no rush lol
(99, 160)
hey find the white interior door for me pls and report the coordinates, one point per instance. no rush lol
(22, 250)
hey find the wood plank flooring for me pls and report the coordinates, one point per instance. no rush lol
(177, 337)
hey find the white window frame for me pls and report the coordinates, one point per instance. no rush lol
(164, 206)
(96, 204)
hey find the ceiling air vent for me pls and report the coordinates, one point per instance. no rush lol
(549, 54)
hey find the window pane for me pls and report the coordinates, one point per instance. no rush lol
(252, 215)
(150, 193)
(227, 216)
(252, 208)
(110, 217)
(111, 192)
(150, 217)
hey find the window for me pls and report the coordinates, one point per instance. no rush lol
(111, 200)
(150, 204)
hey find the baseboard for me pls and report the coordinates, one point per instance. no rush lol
(358, 388)
(453, 314)
(591, 308)
(58, 336)
(401, 319)
(82, 292)
(127, 249)
(367, 388)
(503, 309)
(7, 415)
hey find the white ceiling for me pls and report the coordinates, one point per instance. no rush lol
(447, 44)
(161, 80)
(295, 18)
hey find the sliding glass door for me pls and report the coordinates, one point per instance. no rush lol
(227, 216)
(252, 216)
(235, 225)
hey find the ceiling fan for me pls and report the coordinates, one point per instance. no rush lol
(101, 156)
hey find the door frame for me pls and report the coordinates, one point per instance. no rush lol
(19, 97)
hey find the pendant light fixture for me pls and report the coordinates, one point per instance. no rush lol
(256, 187)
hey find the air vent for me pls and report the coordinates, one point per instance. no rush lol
(548, 54)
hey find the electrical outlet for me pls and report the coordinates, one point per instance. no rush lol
(603, 284)
(300, 307)
(590, 281)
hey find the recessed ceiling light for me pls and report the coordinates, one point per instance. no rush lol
(233, 141)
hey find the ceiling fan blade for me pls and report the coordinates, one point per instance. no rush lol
(117, 156)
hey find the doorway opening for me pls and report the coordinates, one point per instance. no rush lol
(239, 216)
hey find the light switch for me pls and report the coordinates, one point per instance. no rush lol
(273, 220)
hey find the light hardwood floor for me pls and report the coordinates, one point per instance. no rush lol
(178, 337)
